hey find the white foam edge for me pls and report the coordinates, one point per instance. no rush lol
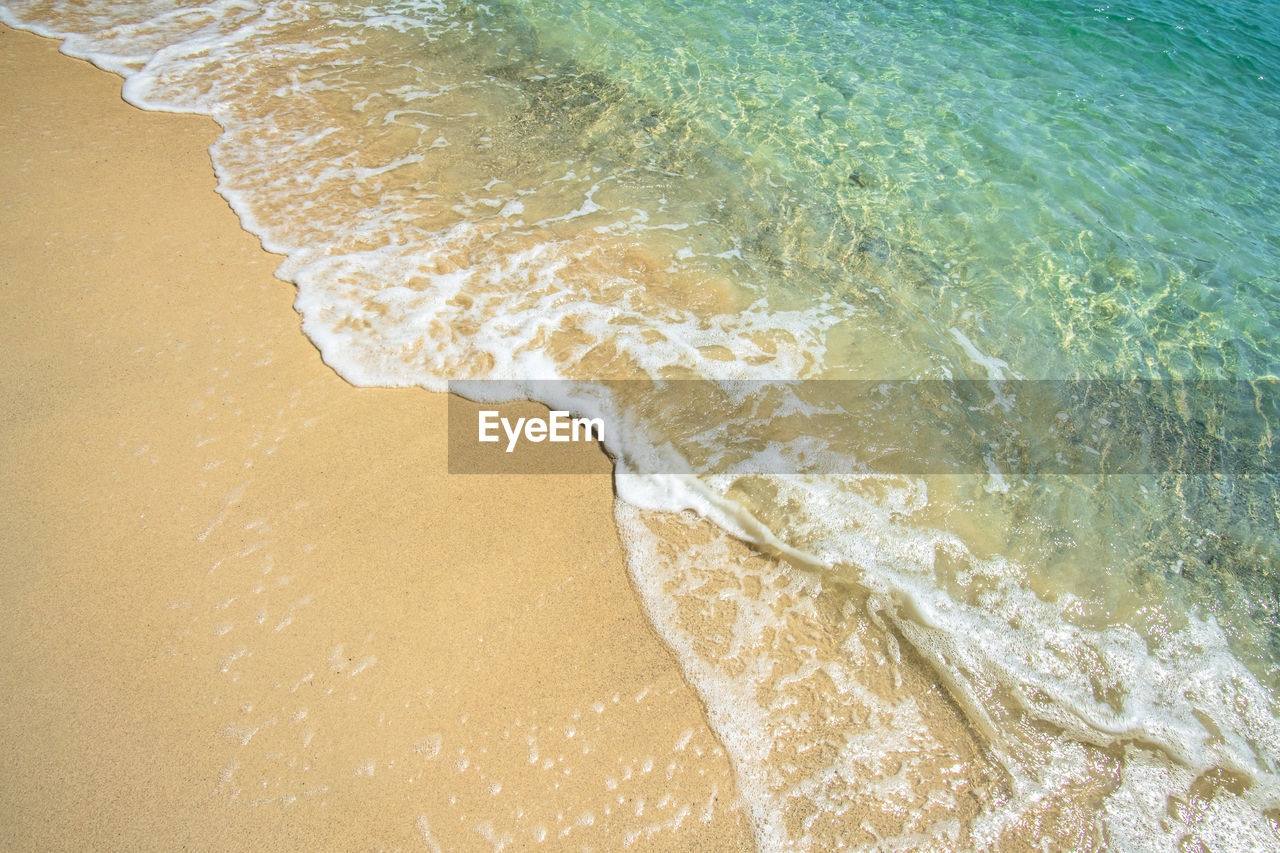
(73, 45)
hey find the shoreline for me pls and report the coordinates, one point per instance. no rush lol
(251, 601)
(249, 604)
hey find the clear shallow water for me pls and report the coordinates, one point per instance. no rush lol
(790, 190)
(1097, 176)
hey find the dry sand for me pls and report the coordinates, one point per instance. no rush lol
(244, 605)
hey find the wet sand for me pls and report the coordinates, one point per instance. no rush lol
(245, 605)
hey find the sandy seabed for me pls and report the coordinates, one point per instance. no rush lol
(245, 606)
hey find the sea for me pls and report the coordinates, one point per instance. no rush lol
(949, 627)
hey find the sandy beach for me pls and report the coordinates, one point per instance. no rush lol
(245, 605)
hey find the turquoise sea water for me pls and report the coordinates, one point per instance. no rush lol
(1101, 177)
(1081, 190)
(824, 190)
